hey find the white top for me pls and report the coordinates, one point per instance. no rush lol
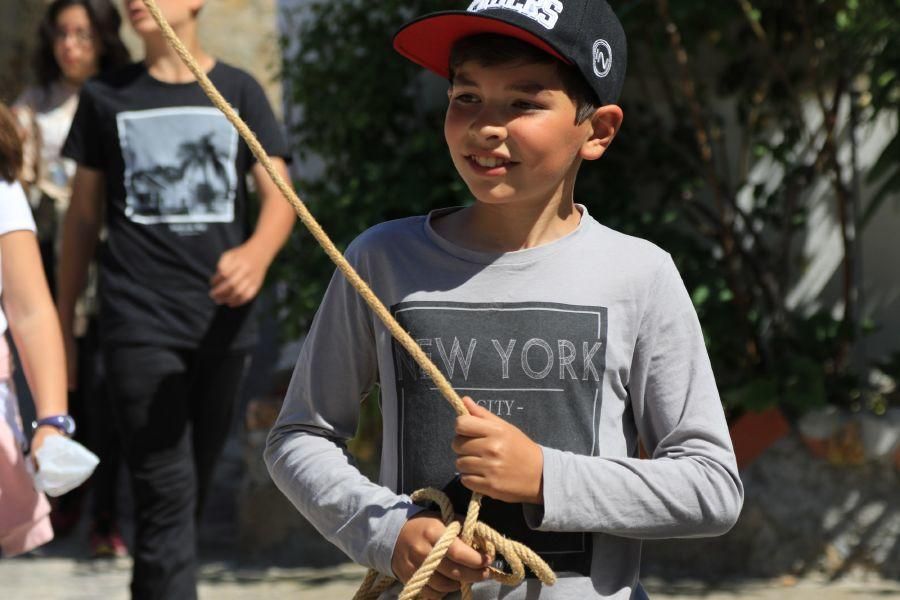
(15, 215)
(51, 111)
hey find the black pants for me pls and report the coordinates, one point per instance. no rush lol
(173, 409)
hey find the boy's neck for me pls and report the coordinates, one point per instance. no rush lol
(494, 228)
(164, 64)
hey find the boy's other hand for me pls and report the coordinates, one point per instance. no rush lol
(496, 458)
(460, 564)
(239, 276)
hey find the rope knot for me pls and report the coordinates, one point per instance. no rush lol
(473, 532)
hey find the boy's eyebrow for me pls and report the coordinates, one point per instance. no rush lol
(460, 79)
(527, 87)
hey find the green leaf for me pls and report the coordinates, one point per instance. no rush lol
(756, 395)
(701, 295)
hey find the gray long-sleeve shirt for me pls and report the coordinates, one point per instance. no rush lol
(588, 344)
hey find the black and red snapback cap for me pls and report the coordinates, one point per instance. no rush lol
(583, 33)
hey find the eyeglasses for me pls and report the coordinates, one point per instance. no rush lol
(82, 36)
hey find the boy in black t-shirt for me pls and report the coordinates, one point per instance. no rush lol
(178, 272)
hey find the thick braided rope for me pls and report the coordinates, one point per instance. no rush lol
(486, 539)
(373, 586)
(373, 580)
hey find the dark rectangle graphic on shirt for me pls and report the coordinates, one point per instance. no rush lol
(540, 366)
(179, 166)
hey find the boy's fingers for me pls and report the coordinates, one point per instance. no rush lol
(470, 405)
(222, 271)
(469, 445)
(227, 267)
(442, 584)
(240, 296)
(469, 465)
(230, 288)
(465, 556)
(478, 411)
(457, 572)
(216, 279)
(474, 482)
(225, 274)
(235, 271)
(474, 426)
(221, 291)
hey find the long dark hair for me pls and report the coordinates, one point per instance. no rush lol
(105, 21)
(10, 146)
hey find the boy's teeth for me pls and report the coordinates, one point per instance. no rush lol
(487, 161)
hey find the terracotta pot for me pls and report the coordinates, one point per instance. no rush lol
(754, 432)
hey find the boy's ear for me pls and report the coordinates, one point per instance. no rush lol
(196, 5)
(606, 122)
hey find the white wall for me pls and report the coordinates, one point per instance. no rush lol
(821, 283)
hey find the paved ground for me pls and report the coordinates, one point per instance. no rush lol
(59, 578)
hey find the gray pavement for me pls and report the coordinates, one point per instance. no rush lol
(60, 578)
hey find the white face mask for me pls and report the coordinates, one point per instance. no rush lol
(63, 465)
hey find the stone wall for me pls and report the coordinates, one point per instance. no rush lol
(801, 514)
(18, 27)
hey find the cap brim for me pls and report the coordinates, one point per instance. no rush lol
(428, 41)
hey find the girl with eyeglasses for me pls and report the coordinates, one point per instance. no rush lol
(77, 40)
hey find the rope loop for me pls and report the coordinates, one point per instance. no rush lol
(484, 539)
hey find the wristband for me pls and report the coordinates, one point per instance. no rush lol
(65, 423)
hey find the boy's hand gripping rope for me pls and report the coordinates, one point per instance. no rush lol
(471, 532)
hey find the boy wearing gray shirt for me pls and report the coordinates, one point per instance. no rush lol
(572, 341)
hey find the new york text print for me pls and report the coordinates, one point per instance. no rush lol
(540, 366)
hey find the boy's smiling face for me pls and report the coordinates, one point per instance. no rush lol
(512, 132)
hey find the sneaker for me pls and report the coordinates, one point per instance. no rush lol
(108, 545)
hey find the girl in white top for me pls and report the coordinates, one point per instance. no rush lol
(77, 40)
(29, 313)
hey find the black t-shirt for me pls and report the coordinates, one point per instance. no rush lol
(176, 199)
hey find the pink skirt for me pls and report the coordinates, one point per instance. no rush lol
(24, 512)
